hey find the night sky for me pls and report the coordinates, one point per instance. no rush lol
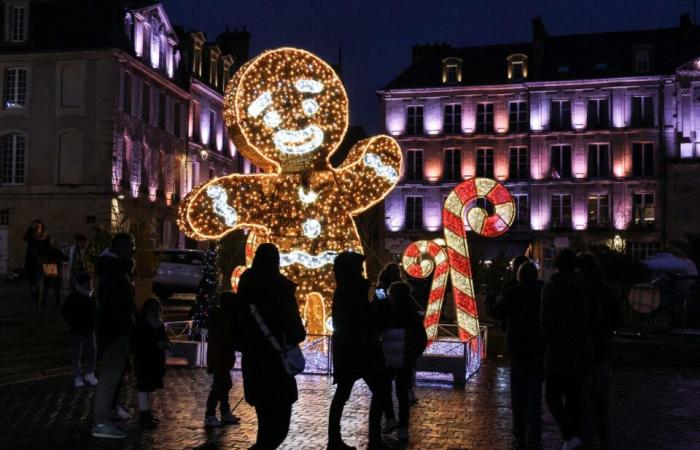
(377, 35)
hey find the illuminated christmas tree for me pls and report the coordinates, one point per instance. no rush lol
(207, 293)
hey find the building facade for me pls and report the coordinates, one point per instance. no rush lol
(97, 126)
(586, 131)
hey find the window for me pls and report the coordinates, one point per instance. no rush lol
(213, 125)
(15, 88)
(641, 60)
(126, 93)
(522, 211)
(226, 72)
(484, 162)
(146, 106)
(518, 168)
(561, 211)
(517, 67)
(18, 17)
(452, 119)
(453, 165)
(642, 159)
(161, 110)
(598, 114)
(213, 71)
(517, 117)
(598, 160)
(451, 70)
(177, 117)
(561, 161)
(414, 213)
(644, 250)
(598, 211)
(642, 112)
(197, 59)
(4, 217)
(414, 165)
(643, 209)
(560, 115)
(414, 120)
(484, 118)
(13, 154)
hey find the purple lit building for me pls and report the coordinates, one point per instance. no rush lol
(582, 129)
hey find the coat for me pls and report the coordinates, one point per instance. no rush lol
(149, 359)
(115, 297)
(221, 340)
(519, 308)
(38, 251)
(404, 338)
(265, 379)
(567, 317)
(80, 311)
(609, 318)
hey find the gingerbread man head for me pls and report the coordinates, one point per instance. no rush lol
(287, 110)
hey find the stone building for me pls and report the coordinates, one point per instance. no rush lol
(584, 130)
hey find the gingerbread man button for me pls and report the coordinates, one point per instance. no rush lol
(287, 112)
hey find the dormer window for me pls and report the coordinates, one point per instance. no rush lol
(601, 67)
(197, 59)
(451, 70)
(225, 70)
(129, 27)
(213, 70)
(564, 69)
(517, 66)
(642, 60)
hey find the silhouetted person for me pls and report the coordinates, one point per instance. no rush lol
(403, 342)
(80, 311)
(222, 344)
(38, 251)
(512, 279)
(116, 318)
(77, 258)
(356, 349)
(53, 275)
(609, 317)
(519, 306)
(567, 322)
(150, 343)
(266, 383)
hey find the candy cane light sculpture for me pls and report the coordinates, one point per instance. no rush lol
(422, 258)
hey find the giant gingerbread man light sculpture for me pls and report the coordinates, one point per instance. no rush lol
(287, 112)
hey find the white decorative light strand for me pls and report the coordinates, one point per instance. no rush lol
(221, 206)
(307, 260)
(259, 104)
(375, 162)
(272, 119)
(311, 228)
(310, 106)
(298, 142)
(307, 197)
(308, 86)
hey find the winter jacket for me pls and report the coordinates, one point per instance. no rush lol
(404, 338)
(221, 340)
(609, 318)
(80, 311)
(149, 359)
(115, 297)
(519, 307)
(567, 317)
(38, 251)
(265, 379)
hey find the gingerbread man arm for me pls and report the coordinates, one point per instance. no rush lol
(370, 172)
(224, 204)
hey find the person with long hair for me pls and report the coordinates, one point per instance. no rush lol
(38, 252)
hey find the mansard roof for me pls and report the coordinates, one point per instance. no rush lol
(552, 58)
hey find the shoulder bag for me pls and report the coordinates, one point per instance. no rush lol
(292, 358)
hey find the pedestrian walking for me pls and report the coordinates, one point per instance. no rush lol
(222, 343)
(149, 342)
(519, 308)
(77, 258)
(403, 342)
(270, 327)
(567, 319)
(609, 317)
(356, 349)
(52, 268)
(116, 318)
(38, 251)
(80, 311)
(512, 279)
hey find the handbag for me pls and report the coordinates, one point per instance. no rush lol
(292, 358)
(50, 270)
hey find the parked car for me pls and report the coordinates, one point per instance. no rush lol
(179, 272)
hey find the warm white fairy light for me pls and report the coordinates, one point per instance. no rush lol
(311, 228)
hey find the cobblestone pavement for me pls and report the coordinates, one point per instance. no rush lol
(653, 408)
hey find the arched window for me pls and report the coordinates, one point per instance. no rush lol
(129, 27)
(13, 147)
(517, 66)
(451, 70)
(15, 88)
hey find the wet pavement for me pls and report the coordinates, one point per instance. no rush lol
(652, 408)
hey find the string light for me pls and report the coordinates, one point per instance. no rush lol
(287, 112)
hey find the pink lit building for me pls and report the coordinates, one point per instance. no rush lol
(582, 129)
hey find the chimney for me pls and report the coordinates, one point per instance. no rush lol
(539, 33)
(686, 21)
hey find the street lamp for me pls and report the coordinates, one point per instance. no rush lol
(203, 154)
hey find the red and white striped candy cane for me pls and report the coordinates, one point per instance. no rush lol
(462, 196)
(420, 259)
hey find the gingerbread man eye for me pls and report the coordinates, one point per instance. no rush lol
(272, 119)
(308, 86)
(310, 107)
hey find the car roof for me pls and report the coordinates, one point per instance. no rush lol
(178, 250)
